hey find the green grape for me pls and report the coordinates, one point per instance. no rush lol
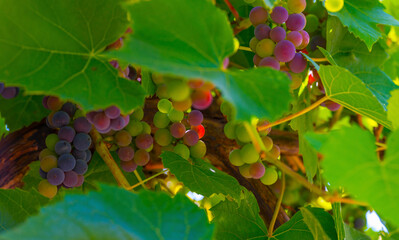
(123, 138)
(46, 189)
(275, 152)
(242, 133)
(178, 90)
(164, 105)
(265, 48)
(163, 137)
(48, 162)
(252, 44)
(146, 128)
(244, 170)
(175, 115)
(134, 127)
(162, 91)
(270, 176)
(229, 130)
(334, 5)
(249, 154)
(138, 114)
(296, 6)
(235, 158)
(161, 120)
(228, 109)
(51, 140)
(198, 150)
(182, 150)
(45, 152)
(312, 23)
(268, 142)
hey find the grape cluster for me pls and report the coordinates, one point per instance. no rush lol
(8, 92)
(247, 157)
(277, 40)
(316, 21)
(108, 120)
(66, 158)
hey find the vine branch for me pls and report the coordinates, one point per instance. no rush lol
(278, 205)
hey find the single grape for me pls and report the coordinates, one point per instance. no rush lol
(81, 124)
(80, 167)
(134, 128)
(249, 154)
(182, 105)
(334, 5)
(45, 152)
(296, 6)
(257, 170)
(230, 130)
(79, 154)
(146, 128)
(101, 121)
(161, 120)
(88, 155)
(266, 131)
(202, 99)
(129, 166)
(296, 22)
(90, 117)
(195, 118)
(312, 23)
(178, 90)
(265, 48)
(118, 123)
(163, 137)
(48, 162)
(268, 142)
(284, 51)
(270, 176)
(60, 119)
(71, 179)
(10, 92)
(51, 140)
(141, 157)
(262, 31)
(69, 108)
(123, 138)
(112, 112)
(295, 37)
(242, 133)
(258, 15)
(270, 62)
(305, 39)
(332, 106)
(244, 170)
(200, 129)
(190, 138)
(256, 60)
(144, 141)
(198, 150)
(177, 130)
(55, 176)
(235, 158)
(182, 150)
(66, 133)
(252, 44)
(81, 179)
(164, 105)
(279, 15)
(298, 64)
(275, 152)
(42, 173)
(277, 34)
(175, 115)
(126, 153)
(54, 103)
(82, 141)
(62, 147)
(359, 223)
(66, 162)
(46, 189)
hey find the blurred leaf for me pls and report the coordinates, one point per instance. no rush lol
(314, 225)
(393, 109)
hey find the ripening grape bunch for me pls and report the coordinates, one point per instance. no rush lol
(8, 92)
(279, 36)
(65, 160)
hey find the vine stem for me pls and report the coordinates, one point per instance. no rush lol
(278, 205)
(146, 180)
(244, 48)
(295, 115)
(139, 178)
(104, 153)
(233, 10)
(320, 59)
(334, 199)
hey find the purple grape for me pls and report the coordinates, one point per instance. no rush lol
(332, 106)
(79, 154)
(144, 141)
(82, 141)
(62, 147)
(295, 37)
(112, 112)
(284, 51)
(315, 42)
(66, 133)
(114, 63)
(90, 117)
(69, 108)
(44, 101)
(42, 173)
(118, 123)
(127, 119)
(305, 39)
(258, 15)
(296, 22)
(71, 179)
(262, 31)
(66, 162)
(101, 121)
(257, 170)
(80, 167)
(81, 124)
(279, 15)
(81, 179)
(270, 62)
(190, 138)
(105, 131)
(10, 92)
(55, 176)
(277, 34)
(88, 156)
(177, 130)
(195, 118)
(60, 119)
(126, 153)
(129, 166)
(298, 63)
(256, 59)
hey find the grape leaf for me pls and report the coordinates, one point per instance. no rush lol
(362, 16)
(185, 43)
(393, 109)
(22, 111)
(201, 177)
(350, 161)
(53, 48)
(114, 213)
(147, 83)
(353, 234)
(314, 225)
(16, 205)
(238, 221)
(346, 89)
(391, 66)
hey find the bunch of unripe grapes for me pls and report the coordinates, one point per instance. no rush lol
(247, 158)
(277, 41)
(8, 92)
(65, 160)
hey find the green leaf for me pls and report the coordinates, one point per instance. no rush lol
(353, 234)
(350, 161)
(362, 16)
(147, 83)
(348, 90)
(393, 109)
(238, 221)
(53, 49)
(201, 177)
(114, 213)
(32, 178)
(296, 227)
(16, 205)
(314, 225)
(339, 221)
(3, 129)
(22, 111)
(391, 66)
